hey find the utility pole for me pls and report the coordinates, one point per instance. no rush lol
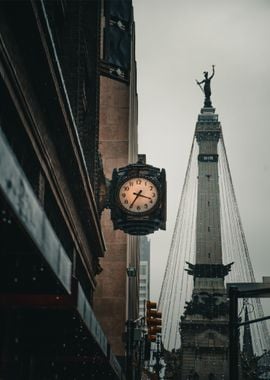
(130, 338)
(131, 273)
(234, 334)
(158, 355)
(158, 366)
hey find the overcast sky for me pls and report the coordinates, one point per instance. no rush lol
(176, 41)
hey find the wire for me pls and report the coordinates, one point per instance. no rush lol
(177, 285)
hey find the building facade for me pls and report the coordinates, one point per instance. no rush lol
(144, 294)
(116, 298)
(67, 117)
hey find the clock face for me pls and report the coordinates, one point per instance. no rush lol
(138, 195)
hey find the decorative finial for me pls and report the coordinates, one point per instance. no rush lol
(207, 88)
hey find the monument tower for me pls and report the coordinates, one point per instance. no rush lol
(204, 326)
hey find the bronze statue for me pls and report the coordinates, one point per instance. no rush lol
(207, 88)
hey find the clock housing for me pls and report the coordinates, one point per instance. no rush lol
(138, 199)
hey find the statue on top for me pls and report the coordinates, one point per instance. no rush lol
(207, 88)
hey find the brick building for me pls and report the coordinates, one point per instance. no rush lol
(118, 147)
(67, 103)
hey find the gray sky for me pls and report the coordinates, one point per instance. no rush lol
(176, 41)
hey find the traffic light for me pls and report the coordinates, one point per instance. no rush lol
(153, 320)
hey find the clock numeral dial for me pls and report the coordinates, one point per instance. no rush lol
(138, 195)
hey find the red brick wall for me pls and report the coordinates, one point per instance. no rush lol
(110, 294)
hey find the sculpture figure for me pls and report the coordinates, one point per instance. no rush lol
(207, 88)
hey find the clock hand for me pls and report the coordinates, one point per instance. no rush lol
(140, 195)
(137, 196)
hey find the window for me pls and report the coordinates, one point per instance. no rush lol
(143, 270)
